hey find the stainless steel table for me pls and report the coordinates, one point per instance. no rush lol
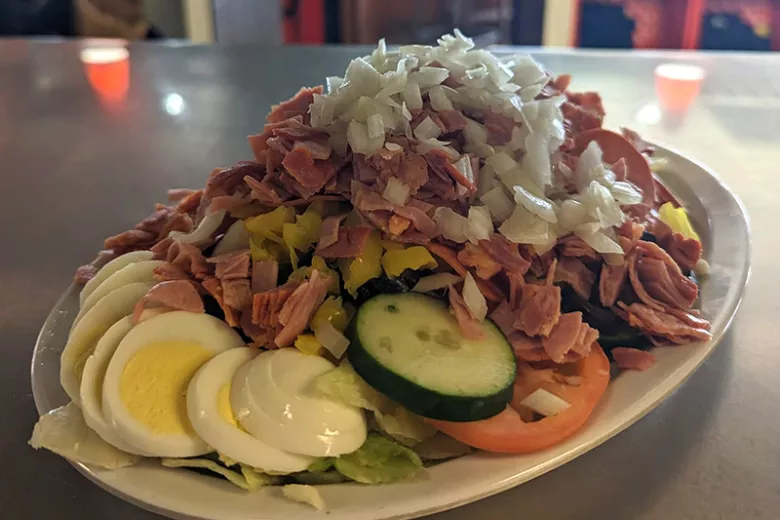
(75, 169)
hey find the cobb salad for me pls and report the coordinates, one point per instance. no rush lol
(441, 251)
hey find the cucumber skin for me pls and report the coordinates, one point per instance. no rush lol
(416, 398)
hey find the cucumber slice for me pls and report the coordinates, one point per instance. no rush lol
(409, 347)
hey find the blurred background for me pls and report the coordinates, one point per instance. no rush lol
(752, 25)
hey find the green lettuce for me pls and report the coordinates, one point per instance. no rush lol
(379, 461)
(343, 384)
(404, 426)
(245, 477)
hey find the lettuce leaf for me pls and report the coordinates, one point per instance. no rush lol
(245, 478)
(343, 384)
(379, 461)
(64, 432)
(404, 426)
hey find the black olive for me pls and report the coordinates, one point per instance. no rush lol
(649, 237)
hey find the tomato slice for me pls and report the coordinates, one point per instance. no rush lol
(508, 433)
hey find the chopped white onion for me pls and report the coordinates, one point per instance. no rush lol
(463, 165)
(479, 224)
(206, 228)
(523, 227)
(702, 268)
(545, 403)
(527, 71)
(331, 339)
(393, 147)
(451, 225)
(235, 238)
(536, 161)
(429, 76)
(439, 100)
(498, 203)
(590, 159)
(376, 127)
(473, 298)
(572, 214)
(536, 205)
(600, 242)
(435, 282)
(625, 193)
(501, 163)
(431, 144)
(357, 135)
(411, 96)
(601, 205)
(427, 129)
(396, 191)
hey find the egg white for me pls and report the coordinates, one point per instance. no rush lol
(211, 333)
(84, 336)
(273, 399)
(92, 382)
(142, 271)
(110, 268)
(226, 438)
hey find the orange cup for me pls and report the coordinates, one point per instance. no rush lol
(108, 71)
(677, 85)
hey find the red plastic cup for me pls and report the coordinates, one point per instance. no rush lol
(677, 85)
(108, 71)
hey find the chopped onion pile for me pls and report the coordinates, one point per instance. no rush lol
(516, 187)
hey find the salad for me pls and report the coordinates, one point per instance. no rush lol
(441, 251)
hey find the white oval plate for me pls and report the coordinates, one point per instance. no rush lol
(184, 495)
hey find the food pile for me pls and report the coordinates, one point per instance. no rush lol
(442, 251)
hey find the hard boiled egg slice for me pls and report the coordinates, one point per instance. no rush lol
(92, 385)
(274, 399)
(135, 272)
(110, 268)
(83, 337)
(208, 405)
(145, 387)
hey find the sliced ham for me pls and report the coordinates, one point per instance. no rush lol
(229, 202)
(573, 272)
(685, 251)
(349, 244)
(527, 348)
(299, 308)
(178, 194)
(470, 328)
(310, 173)
(539, 309)
(563, 337)
(260, 336)
(439, 161)
(329, 231)
(268, 191)
(474, 255)
(298, 105)
(505, 253)
(186, 257)
(191, 202)
(488, 289)
(213, 286)
(265, 274)
(574, 246)
(231, 265)
(657, 279)
(663, 324)
(627, 358)
(150, 230)
(499, 128)
(267, 305)
(503, 317)
(453, 120)
(167, 272)
(176, 294)
(237, 293)
(611, 282)
(84, 274)
(413, 171)
(226, 181)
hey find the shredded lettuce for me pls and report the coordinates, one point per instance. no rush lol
(305, 494)
(64, 432)
(379, 461)
(345, 385)
(245, 477)
(404, 426)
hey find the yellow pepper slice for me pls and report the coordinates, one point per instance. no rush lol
(319, 264)
(677, 219)
(302, 234)
(309, 345)
(263, 249)
(391, 245)
(331, 311)
(368, 265)
(271, 225)
(396, 261)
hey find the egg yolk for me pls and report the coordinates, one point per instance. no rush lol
(223, 405)
(153, 385)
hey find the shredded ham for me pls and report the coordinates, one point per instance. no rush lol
(611, 282)
(632, 358)
(176, 295)
(265, 274)
(186, 257)
(349, 243)
(231, 265)
(574, 273)
(298, 309)
(470, 328)
(213, 286)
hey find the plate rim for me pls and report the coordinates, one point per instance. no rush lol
(732, 305)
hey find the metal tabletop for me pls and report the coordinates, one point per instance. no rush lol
(80, 161)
